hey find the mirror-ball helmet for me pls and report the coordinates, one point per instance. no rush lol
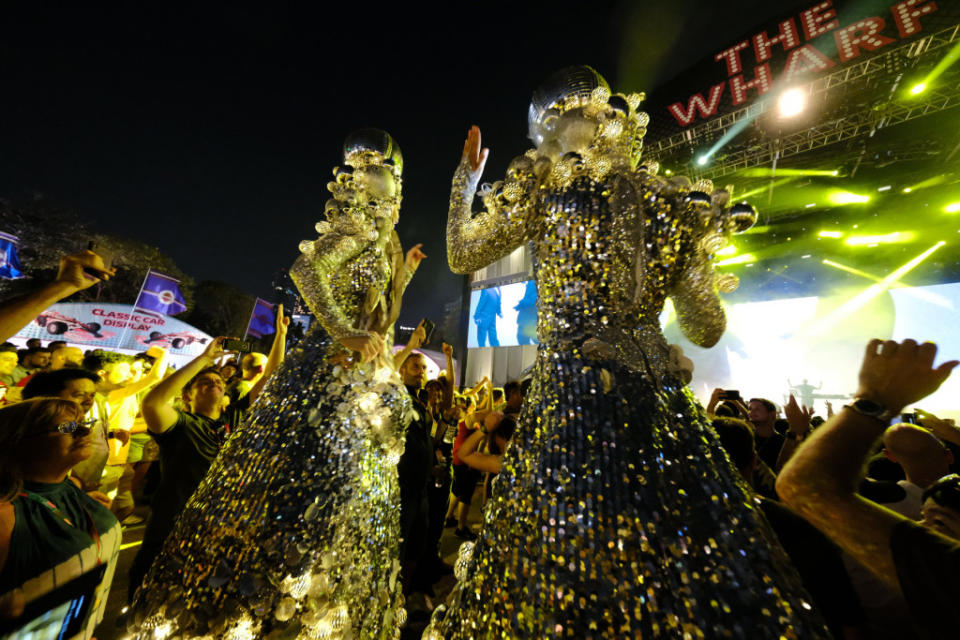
(373, 140)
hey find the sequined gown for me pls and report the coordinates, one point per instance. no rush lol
(294, 531)
(617, 514)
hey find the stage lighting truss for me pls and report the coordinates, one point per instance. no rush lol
(898, 110)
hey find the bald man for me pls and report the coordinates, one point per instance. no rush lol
(924, 458)
(64, 357)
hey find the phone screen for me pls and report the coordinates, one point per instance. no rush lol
(62, 613)
(232, 344)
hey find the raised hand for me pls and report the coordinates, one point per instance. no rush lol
(798, 416)
(414, 256)
(944, 429)
(214, 350)
(368, 346)
(283, 322)
(473, 152)
(899, 374)
(83, 270)
(418, 336)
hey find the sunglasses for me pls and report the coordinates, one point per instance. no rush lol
(75, 428)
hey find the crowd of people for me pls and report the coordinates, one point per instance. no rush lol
(107, 417)
(79, 433)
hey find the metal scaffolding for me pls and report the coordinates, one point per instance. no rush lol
(851, 125)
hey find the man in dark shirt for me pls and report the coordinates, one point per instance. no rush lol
(762, 414)
(414, 470)
(190, 440)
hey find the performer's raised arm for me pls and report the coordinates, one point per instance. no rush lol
(312, 272)
(700, 314)
(695, 293)
(474, 242)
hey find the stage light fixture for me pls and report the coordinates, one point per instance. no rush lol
(884, 188)
(952, 56)
(831, 234)
(747, 257)
(889, 238)
(792, 102)
(846, 197)
(932, 181)
(811, 205)
(953, 207)
(702, 160)
(728, 250)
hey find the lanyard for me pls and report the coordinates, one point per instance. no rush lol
(91, 527)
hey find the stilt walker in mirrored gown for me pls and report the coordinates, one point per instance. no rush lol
(294, 531)
(617, 513)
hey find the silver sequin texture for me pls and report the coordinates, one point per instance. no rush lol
(294, 531)
(617, 513)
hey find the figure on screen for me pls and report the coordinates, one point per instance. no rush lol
(616, 513)
(805, 391)
(527, 315)
(485, 317)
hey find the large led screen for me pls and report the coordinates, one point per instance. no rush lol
(810, 346)
(503, 316)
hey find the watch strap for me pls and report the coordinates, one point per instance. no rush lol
(871, 409)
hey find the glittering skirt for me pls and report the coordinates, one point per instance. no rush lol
(618, 515)
(294, 531)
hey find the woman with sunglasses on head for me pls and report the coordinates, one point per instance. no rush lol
(50, 530)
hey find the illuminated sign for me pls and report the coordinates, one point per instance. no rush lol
(809, 43)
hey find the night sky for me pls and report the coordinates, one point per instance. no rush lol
(211, 131)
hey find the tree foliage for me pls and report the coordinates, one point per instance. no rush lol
(220, 309)
(132, 259)
(48, 231)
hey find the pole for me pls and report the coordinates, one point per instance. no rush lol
(246, 331)
(133, 309)
(464, 328)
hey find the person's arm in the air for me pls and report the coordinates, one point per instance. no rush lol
(77, 272)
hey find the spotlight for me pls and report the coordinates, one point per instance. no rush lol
(831, 234)
(747, 257)
(918, 88)
(845, 197)
(907, 189)
(791, 102)
(872, 241)
(702, 160)
(953, 207)
(884, 188)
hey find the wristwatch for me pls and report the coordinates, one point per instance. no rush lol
(871, 409)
